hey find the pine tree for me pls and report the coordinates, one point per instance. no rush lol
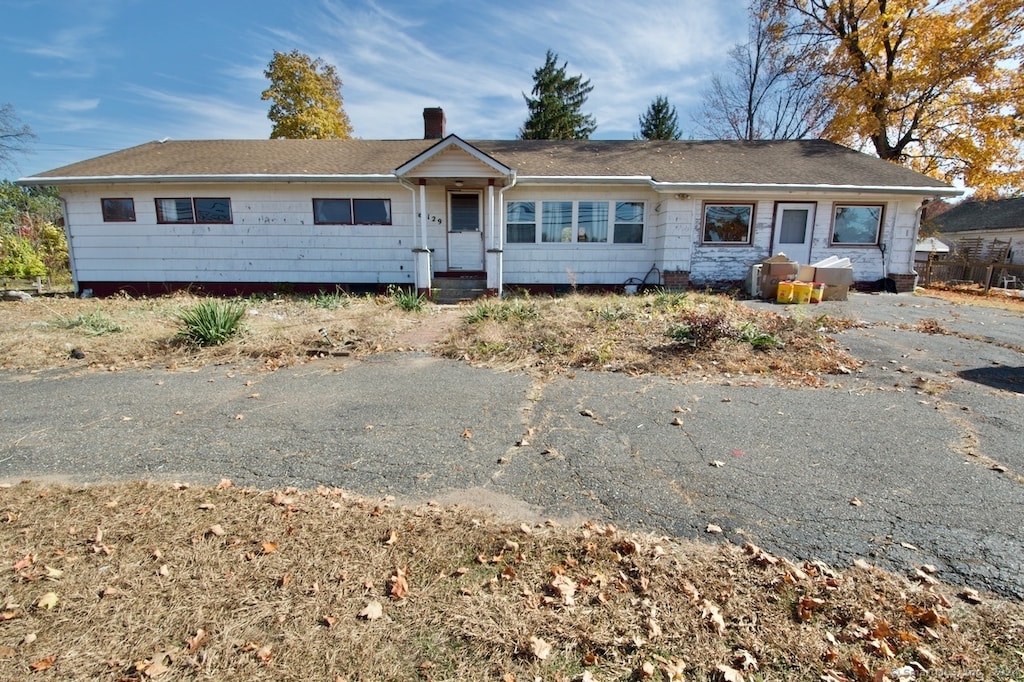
(305, 96)
(660, 121)
(556, 105)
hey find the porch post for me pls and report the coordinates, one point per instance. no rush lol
(493, 261)
(422, 252)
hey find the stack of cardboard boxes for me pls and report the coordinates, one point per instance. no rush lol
(836, 274)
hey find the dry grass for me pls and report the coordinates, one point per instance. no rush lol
(156, 581)
(140, 333)
(153, 581)
(973, 294)
(666, 333)
(631, 334)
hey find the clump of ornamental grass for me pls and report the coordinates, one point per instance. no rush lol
(210, 322)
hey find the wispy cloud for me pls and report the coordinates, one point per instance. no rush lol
(78, 104)
(197, 116)
(476, 64)
(74, 51)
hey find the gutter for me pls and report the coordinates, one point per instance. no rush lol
(239, 178)
(675, 187)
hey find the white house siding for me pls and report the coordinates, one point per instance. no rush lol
(714, 263)
(272, 237)
(588, 263)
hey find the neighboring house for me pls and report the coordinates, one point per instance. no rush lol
(996, 219)
(243, 215)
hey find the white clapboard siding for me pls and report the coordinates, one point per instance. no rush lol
(590, 262)
(272, 237)
(455, 163)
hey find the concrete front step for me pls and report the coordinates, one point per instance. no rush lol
(448, 290)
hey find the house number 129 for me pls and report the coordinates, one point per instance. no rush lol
(431, 218)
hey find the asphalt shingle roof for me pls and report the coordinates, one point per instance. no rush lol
(789, 162)
(982, 215)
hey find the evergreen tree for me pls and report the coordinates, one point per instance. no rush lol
(660, 121)
(305, 96)
(555, 108)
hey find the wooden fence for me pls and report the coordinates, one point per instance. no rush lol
(984, 274)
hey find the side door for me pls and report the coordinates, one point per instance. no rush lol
(465, 236)
(794, 225)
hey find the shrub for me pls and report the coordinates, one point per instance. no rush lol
(210, 322)
(18, 260)
(330, 301)
(701, 327)
(406, 299)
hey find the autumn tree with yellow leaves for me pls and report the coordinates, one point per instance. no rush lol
(305, 98)
(935, 85)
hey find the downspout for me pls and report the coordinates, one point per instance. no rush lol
(501, 234)
(423, 212)
(412, 189)
(71, 250)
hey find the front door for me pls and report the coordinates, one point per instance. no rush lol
(793, 227)
(465, 236)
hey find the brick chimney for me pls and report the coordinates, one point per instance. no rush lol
(433, 123)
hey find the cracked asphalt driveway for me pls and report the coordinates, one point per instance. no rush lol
(916, 459)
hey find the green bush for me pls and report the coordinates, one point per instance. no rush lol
(210, 322)
(18, 260)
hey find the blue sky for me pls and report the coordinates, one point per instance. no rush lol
(94, 76)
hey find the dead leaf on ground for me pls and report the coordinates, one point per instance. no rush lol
(565, 587)
(729, 674)
(540, 648)
(43, 663)
(711, 613)
(48, 601)
(372, 611)
(399, 583)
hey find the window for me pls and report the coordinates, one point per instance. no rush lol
(194, 210)
(332, 211)
(352, 211)
(556, 221)
(574, 222)
(629, 222)
(856, 224)
(118, 210)
(465, 212)
(371, 211)
(727, 223)
(592, 225)
(521, 222)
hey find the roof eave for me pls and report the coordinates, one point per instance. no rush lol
(180, 179)
(584, 180)
(915, 190)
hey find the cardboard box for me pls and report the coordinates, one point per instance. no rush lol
(835, 292)
(776, 269)
(826, 275)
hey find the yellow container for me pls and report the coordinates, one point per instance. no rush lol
(817, 292)
(785, 294)
(802, 292)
